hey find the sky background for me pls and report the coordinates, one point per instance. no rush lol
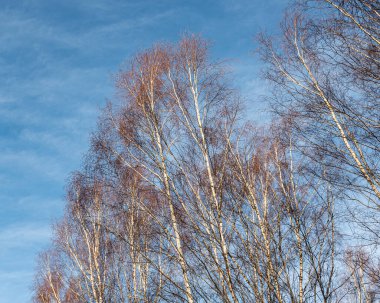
(57, 59)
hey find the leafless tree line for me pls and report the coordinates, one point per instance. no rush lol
(181, 199)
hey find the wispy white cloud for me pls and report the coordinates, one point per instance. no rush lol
(12, 281)
(23, 236)
(19, 28)
(19, 244)
(32, 164)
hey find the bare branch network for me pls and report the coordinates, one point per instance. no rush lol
(181, 199)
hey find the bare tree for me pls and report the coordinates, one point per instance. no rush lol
(180, 200)
(328, 68)
(325, 71)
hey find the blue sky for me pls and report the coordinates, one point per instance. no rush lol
(57, 59)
